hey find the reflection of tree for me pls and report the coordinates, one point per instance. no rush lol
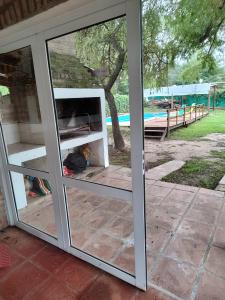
(172, 32)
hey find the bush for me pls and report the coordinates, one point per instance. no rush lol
(122, 104)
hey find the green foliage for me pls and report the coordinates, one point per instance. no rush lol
(104, 43)
(213, 123)
(198, 172)
(174, 31)
(218, 154)
(195, 71)
(4, 90)
(122, 86)
(197, 25)
(122, 104)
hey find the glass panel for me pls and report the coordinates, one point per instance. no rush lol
(102, 227)
(90, 85)
(3, 217)
(20, 112)
(34, 202)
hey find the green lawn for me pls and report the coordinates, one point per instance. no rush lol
(213, 123)
(199, 172)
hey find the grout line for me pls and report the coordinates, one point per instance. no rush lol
(164, 247)
(201, 268)
(164, 291)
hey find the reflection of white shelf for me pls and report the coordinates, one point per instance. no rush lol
(20, 152)
(81, 140)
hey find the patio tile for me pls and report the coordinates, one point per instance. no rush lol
(113, 205)
(206, 216)
(178, 278)
(152, 201)
(52, 290)
(204, 201)
(211, 192)
(103, 246)
(150, 263)
(107, 287)
(164, 184)
(221, 221)
(98, 219)
(152, 294)
(219, 238)
(194, 230)
(149, 182)
(216, 261)
(211, 287)
(125, 260)
(156, 237)
(77, 274)
(127, 212)
(174, 207)
(180, 195)
(120, 227)
(16, 259)
(26, 244)
(50, 258)
(81, 235)
(161, 218)
(156, 191)
(118, 183)
(186, 250)
(187, 188)
(16, 286)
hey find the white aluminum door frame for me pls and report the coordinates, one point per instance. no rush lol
(132, 10)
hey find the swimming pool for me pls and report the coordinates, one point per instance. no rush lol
(147, 116)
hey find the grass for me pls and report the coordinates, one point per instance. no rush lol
(198, 172)
(218, 154)
(119, 158)
(213, 123)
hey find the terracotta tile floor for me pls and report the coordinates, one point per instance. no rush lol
(185, 246)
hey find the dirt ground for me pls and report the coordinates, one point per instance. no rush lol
(183, 150)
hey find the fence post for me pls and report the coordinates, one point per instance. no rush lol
(195, 112)
(168, 122)
(176, 116)
(184, 116)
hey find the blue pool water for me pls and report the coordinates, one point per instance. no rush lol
(147, 116)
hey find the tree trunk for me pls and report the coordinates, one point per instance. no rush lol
(117, 136)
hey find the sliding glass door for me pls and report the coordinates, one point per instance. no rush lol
(72, 139)
(23, 141)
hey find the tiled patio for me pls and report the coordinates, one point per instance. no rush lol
(185, 243)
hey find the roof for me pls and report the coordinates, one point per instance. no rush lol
(179, 90)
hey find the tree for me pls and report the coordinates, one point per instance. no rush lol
(173, 30)
(195, 72)
(107, 55)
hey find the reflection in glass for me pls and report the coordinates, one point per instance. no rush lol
(102, 227)
(34, 202)
(20, 112)
(90, 86)
(3, 217)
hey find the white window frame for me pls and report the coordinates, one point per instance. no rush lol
(36, 36)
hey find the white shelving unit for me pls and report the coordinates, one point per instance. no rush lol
(97, 141)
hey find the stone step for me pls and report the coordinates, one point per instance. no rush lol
(164, 169)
